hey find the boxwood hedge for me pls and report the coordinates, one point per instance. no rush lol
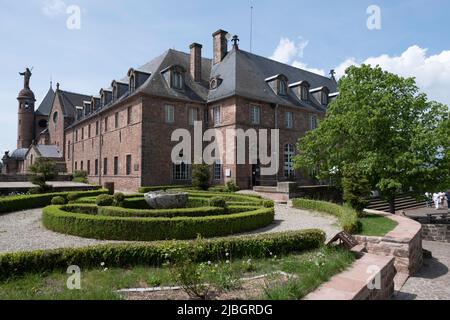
(25, 202)
(348, 217)
(150, 229)
(157, 253)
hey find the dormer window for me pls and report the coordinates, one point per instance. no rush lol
(106, 97)
(321, 95)
(278, 84)
(215, 83)
(282, 88)
(174, 76)
(324, 98)
(177, 80)
(132, 83)
(301, 90)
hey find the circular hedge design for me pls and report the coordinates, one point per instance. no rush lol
(133, 223)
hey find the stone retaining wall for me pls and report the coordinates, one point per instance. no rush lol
(404, 243)
(370, 278)
(436, 232)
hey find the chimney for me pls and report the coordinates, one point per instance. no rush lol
(220, 46)
(196, 62)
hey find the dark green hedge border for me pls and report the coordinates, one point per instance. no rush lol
(348, 217)
(151, 229)
(169, 213)
(25, 202)
(157, 253)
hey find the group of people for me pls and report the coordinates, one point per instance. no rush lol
(440, 200)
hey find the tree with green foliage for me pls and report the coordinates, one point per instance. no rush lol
(43, 170)
(355, 187)
(383, 126)
(201, 176)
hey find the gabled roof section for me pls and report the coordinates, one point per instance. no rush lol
(70, 100)
(45, 107)
(48, 151)
(156, 85)
(245, 74)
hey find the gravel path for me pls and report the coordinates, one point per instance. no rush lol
(433, 281)
(23, 231)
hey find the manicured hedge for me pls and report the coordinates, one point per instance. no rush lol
(348, 218)
(157, 253)
(25, 202)
(150, 229)
(161, 188)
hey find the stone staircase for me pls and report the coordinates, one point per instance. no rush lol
(402, 202)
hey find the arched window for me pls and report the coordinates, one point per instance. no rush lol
(132, 83)
(304, 93)
(289, 152)
(324, 97)
(55, 117)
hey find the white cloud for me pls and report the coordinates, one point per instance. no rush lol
(53, 8)
(304, 66)
(432, 72)
(289, 52)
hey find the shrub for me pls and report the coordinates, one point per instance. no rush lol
(58, 200)
(25, 202)
(218, 202)
(231, 187)
(201, 176)
(80, 176)
(348, 217)
(118, 199)
(161, 188)
(165, 213)
(72, 196)
(42, 171)
(104, 200)
(268, 204)
(150, 229)
(157, 253)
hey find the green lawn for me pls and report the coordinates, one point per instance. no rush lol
(375, 225)
(312, 268)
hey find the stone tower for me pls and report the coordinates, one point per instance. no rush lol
(25, 131)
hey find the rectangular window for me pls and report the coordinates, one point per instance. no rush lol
(96, 167)
(116, 120)
(255, 114)
(289, 152)
(89, 167)
(89, 131)
(181, 172)
(217, 116)
(170, 114)
(82, 133)
(129, 114)
(116, 166)
(68, 150)
(193, 116)
(106, 124)
(76, 165)
(217, 171)
(177, 80)
(96, 128)
(82, 165)
(313, 122)
(105, 166)
(289, 120)
(76, 135)
(128, 164)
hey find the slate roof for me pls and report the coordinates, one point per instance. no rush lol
(48, 151)
(70, 100)
(46, 105)
(19, 154)
(241, 73)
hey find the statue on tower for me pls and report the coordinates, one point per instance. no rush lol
(26, 78)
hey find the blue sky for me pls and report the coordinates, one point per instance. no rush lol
(117, 35)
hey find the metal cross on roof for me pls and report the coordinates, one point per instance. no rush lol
(235, 40)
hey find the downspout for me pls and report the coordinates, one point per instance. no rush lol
(276, 128)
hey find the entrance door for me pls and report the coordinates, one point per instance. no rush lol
(256, 175)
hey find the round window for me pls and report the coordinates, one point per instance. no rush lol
(55, 117)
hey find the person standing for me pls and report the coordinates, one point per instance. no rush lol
(436, 200)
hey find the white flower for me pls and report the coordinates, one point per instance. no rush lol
(228, 261)
(209, 263)
(249, 261)
(227, 254)
(106, 269)
(102, 264)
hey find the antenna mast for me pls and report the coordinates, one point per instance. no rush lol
(251, 26)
